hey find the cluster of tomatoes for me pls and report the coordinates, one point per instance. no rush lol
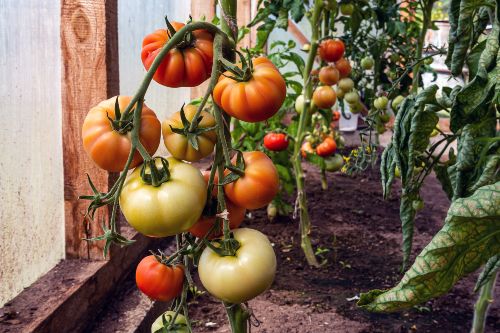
(184, 201)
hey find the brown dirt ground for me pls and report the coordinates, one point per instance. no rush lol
(362, 234)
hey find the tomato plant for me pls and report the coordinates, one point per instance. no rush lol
(158, 281)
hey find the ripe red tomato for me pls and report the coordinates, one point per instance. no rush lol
(336, 115)
(329, 75)
(276, 141)
(327, 147)
(255, 100)
(344, 67)
(159, 281)
(324, 97)
(205, 223)
(331, 50)
(108, 148)
(258, 186)
(184, 66)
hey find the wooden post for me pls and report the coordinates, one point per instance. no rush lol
(89, 50)
(200, 8)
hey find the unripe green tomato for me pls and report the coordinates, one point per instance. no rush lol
(381, 103)
(306, 47)
(428, 61)
(396, 102)
(180, 323)
(351, 97)
(299, 105)
(346, 84)
(384, 118)
(354, 108)
(346, 9)
(340, 93)
(340, 141)
(392, 75)
(367, 63)
(334, 163)
(418, 204)
(397, 172)
(272, 211)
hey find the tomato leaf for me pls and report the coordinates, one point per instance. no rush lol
(491, 267)
(470, 236)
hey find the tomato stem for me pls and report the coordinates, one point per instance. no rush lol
(482, 305)
(238, 317)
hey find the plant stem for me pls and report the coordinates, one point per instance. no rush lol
(427, 13)
(482, 305)
(305, 222)
(324, 183)
(238, 317)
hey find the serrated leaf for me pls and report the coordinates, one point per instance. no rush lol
(470, 236)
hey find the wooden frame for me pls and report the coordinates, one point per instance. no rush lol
(89, 49)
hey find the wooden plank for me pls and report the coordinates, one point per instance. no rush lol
(294, 30)
(89, 74)
(244, 16)
(199, 9)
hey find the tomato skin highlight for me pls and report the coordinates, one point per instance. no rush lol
(178, 145)
(329, 75)
(344, 67)
(306, 148)
(242, 277)
(255, 100)
(324, 97)
(276, 141)
(205, 223)
(331, 50)
(181, 67)
(166, 210)
(327, 147)
(258, 186)
(159, 281)
(110, 149)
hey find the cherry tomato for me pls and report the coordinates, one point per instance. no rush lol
(381, 103)
(299, 105)
(110, 149)
(327, 147)
(351, 97)
(331, 50)
(237, 279)
(258, 186)
(206, 223)
(166, 210)
(184, 66)
(334, 163)
(159, 281)
(336, 115)
(346, 9)
(178, 144)
(344, 67)
(306, 148)
(324, 97)
(367, 63)
(396, 102)
(255, 100)
(276, 141)
(346, 84)
(329, 75)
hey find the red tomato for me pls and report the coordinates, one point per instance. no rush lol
(205, 223)
(331, 50)
(255, 100)
(324, 97)
(108, 148)
(336, 115)
(327, 147)
(258, 186)
(344, 67)
(306, 149)
(329, 75)
(186, 66)
(159, 281)
(276, 141)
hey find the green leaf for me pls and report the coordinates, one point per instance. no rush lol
(490, 269)
(387, 169)
(470, 236)
(453, 15)
(442, 175)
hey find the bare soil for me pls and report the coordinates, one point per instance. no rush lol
(360, 235)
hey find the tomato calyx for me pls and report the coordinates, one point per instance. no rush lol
(169, 324)
(240, 74)
(152, 175)
(191, 130)
(188, 39)
(110, 236)
(226, 247)
(122, 123)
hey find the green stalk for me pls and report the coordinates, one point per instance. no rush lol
(482, 305)
(427, 13)
(324, 183)
(305, 221)
(238, 317)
